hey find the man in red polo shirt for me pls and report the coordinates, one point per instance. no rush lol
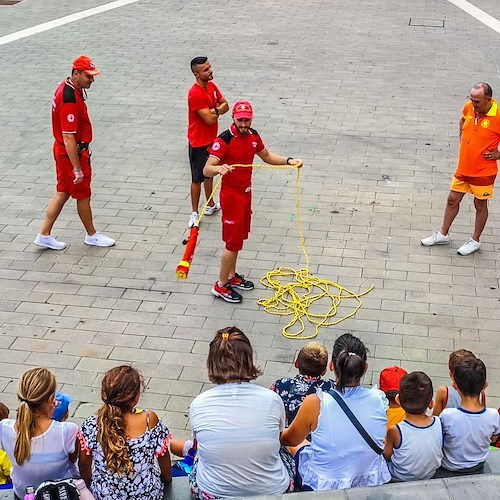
(477, 166)
(238, 145)
(73, 134)
(205, 105)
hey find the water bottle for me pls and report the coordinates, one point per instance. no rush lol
(30, 493)
(85, 493)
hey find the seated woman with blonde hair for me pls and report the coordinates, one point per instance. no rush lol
(124, 451)
(39, 448)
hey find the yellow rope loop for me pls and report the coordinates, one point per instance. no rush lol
(295, 292)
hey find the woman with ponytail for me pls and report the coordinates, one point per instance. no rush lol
(39, 448)
(338, 456)
(236, 426)
(124, 450)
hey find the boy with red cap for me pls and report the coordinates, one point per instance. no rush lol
(73, 134)
(389, 383)
(238, 145)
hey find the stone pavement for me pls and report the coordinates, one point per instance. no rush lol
(368, 101)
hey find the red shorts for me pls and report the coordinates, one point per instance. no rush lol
(236, 206)
(65, 175)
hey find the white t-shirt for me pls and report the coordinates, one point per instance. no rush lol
(49, 455)
(467, 436)
(237, 427)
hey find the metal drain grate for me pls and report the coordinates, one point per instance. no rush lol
(9, 2)
(427, 23)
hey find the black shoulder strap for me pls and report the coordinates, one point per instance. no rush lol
(356, 423)
(226, 136)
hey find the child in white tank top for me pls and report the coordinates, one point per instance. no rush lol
(414, 446)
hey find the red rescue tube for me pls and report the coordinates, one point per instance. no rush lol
(183, 267)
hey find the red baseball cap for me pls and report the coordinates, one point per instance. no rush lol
(242, 109)
(390, 377)
(84, 63)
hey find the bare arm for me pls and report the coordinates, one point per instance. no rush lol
(212, 167)
(208, 115)
(304, 423)
(392, 440)
(85, 466)
(223, 106)
(461, 126)
(274, 159)
(441, 396)
(165, 467)
(72, 150)
(73, 456)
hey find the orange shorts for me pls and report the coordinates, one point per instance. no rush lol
(65, 175)
(480, 187)
(236, 206)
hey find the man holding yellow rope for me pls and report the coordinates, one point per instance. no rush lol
(237, 146)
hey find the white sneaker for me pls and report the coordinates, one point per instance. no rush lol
(437, 238)
(193, 220)
(470, 246)
(49, 242)
(209, 210)
(99, 240)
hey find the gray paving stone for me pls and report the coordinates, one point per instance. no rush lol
(371, 116)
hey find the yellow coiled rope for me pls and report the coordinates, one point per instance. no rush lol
(296, 291)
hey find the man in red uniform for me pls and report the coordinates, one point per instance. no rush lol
(205, 105)
(477, 168)
(239, 144)
(73, 134)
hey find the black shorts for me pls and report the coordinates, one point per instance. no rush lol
(197, 159)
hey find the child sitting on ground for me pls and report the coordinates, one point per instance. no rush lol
(448, 397)
(467, 430)
(61, 411)
(414, 446)
(311, 362)
(389, 384)
(5, 465)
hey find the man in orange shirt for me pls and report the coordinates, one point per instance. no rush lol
(477, 166)
(205, 105)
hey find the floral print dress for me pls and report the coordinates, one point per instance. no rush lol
(144, 482)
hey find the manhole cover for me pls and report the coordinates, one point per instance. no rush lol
(9, 2)
(428, 23)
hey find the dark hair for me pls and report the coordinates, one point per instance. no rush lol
(312, 359)
(470, 377)
(119, 390)
(230, 357)
(4, 411)
(457, 356)
(415, 392)
(391, 395)
(198, 61)
(485, 87)
(349, 358)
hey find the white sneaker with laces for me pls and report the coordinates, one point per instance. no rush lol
(470, 246)
(210, 210)
(49, 242)
(99, 240)
(436, 238)
(193, 220)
